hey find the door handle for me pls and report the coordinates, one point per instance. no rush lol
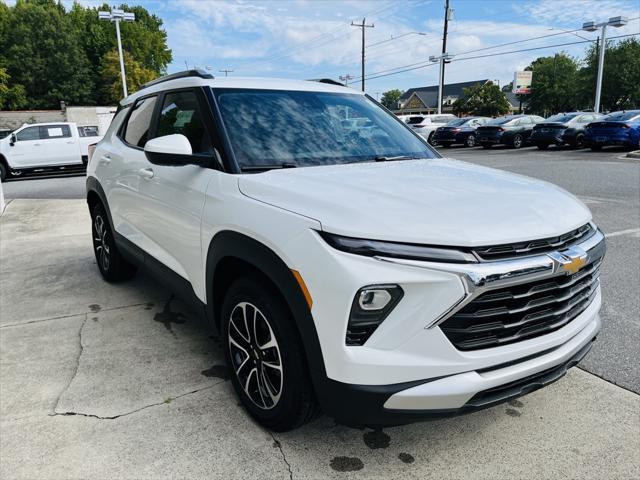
(105, 159)
(146, 173)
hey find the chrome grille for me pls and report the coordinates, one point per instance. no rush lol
(511, 314)
(498, 252)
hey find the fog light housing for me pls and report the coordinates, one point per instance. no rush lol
(371, 305)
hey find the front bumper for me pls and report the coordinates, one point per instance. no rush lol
(385, 405)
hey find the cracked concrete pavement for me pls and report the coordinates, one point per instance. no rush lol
(120, 381)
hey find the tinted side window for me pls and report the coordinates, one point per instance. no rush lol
(181, 114)
(136, 131)
(51, 132)
(30, 133)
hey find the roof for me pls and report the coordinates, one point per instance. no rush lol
(431, 92)
(241, 82)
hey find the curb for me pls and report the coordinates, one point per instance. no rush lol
(635, 154)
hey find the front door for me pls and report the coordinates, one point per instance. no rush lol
(173, 197)
(27, 151)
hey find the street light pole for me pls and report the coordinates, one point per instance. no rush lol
(116, 16)
(592, 27)
(445, 57)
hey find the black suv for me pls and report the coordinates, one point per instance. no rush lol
(563, 129)
(512, 130)
(459, 131)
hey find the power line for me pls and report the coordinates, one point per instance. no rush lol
(429, 64)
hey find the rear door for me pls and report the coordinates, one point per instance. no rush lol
(60, 146)
(172, 197)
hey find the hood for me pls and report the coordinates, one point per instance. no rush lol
(436, 201)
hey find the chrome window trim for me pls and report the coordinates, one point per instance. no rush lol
(478, 278)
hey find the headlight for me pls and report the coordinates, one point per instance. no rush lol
(377, 248)
(371, 305)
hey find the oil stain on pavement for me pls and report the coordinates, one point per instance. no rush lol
(406, 457)
(168, 316)
(376, 439)
(346, 464)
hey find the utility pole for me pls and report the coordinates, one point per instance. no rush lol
(116, 16)
(345, 79)
(363, 26)
(447, 13)
(226, 71)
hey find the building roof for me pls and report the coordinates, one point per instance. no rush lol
(449, 90)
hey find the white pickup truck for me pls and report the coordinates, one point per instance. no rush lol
(45, 145)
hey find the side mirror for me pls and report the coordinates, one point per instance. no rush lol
(170, 150)
(12, 140)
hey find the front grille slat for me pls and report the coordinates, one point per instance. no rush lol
(515, 313)
(497, 252)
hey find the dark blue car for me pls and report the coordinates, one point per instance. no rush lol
(618, 128)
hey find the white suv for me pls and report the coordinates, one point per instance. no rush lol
(361, 274)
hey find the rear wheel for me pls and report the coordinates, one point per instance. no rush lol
(579, 141)
(113, 267)
(470, 141)
(265, 355)
(516, 142)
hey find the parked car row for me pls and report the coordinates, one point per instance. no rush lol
(573, 129)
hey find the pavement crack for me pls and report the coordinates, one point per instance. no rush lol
(77, 364)
(278, 445)
(115, 417)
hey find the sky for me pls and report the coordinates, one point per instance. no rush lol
(314, 39)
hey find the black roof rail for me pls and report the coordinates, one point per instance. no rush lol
(330, 81)
(184, 74)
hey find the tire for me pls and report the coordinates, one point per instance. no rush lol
(112, 266)
(430, 139)
(486, 145)
(542, 146)
(578, 142)
(3, 171)
(470, 141)
(595, 148)
(516, 141)
(283, 398)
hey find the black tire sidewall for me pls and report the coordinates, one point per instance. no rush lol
(289, 412)
(4, 172)
(119, 269)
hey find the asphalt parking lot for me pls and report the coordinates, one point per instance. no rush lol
(119, 381)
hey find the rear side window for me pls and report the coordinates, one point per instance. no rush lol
(30, 133)
(181, 114)
(136, 131)
(415, 120)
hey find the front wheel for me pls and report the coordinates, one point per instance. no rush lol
(265, 356)
(579, 141)
(470, 141)
(113, 267)
(430, 139)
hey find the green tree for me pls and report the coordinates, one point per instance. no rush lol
(390, 98)
(136, 75)
(12, 97)
(485, 100)
(620, 79)
(555, 85)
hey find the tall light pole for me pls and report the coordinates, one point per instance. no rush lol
(444, 58)
(592, 27)
(116, 16)
(345, 79)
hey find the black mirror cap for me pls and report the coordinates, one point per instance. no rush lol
(177, 160)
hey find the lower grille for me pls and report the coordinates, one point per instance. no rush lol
(512, 314)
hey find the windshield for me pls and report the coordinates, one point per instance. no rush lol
(297, 129)
(499, 120)
(562, 117)
(622, 116)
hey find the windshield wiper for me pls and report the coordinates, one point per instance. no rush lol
(381, 158)
(265, 167)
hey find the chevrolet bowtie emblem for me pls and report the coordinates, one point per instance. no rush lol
(570, 260)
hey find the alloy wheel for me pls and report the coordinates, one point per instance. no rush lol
(255, 355)
(517, 141)
(100, 232)
(471, 141)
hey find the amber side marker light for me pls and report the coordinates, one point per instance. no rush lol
(303, 287)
